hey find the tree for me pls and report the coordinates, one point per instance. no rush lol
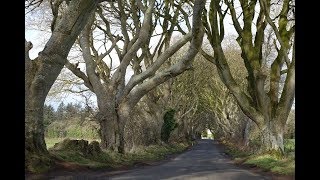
(41, 72)
(49, 115)
(267, 107)
(202, 101)
(116, 98)
(72, 111)
(61, 112)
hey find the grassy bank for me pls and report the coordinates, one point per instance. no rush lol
(109, 159)
(268, 162)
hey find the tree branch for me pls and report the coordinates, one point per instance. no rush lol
(208, 57)
(276, 31)
(234, 18)
(143, 37)
(134, 80)
(79, 74)
(27, 47)
(183, 64)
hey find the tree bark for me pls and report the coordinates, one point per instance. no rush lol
(272, 137)
(246, 133)
(41, 73)
(108, 131)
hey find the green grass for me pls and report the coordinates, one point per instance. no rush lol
(289, 145)
(79, 159)
(114, 159)
(272, 163)
(268, 162)
(50, 142)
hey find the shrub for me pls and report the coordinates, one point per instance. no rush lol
(289, 146)
(169, 125)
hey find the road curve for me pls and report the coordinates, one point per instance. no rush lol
(204, 161)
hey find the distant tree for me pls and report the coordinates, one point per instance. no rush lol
(72, 111)
(61, 112)
(49, 115)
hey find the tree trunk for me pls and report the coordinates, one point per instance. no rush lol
(36, 153)
(246, 133)
(112, 125)
(108, 133)
(121, 126)
(124, 112)
(272, 138)
(40, 75)
(38, 80)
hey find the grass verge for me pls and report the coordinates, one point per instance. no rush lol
(113, 160)
(267, 162)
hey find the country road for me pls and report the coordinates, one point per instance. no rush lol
(204, 161)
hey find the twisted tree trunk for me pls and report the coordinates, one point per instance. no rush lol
(41, 73)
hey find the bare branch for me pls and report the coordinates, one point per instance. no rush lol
(183, 64)
(276, 31)
(114, 44)
(76, 71)
(208, 57)
(234, 18)
(33, 4)
(284, 71)
(143, 37)
(77, 92)
(155, 66)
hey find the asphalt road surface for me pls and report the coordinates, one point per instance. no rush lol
(204, 161)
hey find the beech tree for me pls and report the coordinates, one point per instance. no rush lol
(137, 22)
(41, 72)
(267, 106)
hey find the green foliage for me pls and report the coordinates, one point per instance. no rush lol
(73, 128)
(273, 163)
(289, 146)
(268, 161)
(82, 131)
(169, 124)
(70, 121)
(204, 133)
(56, 130)
(49, 115)
(69, 111)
